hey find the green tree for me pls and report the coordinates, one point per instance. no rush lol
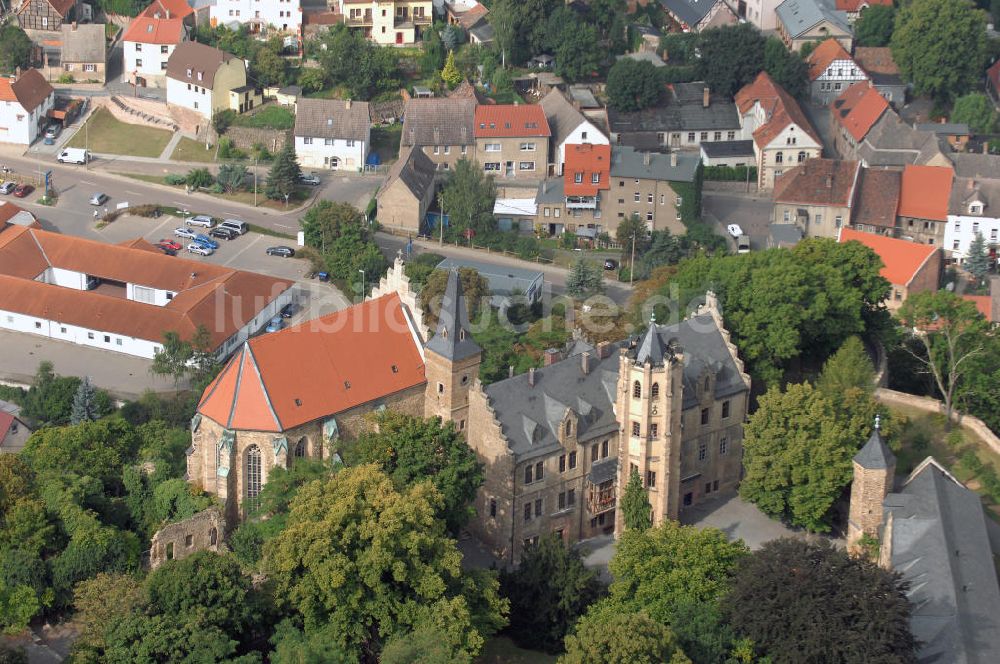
(293, 646)
(136, 637)
(475, 291)
(976, 110)
(635, 504)
(572, 43)
(451, 36)
(503, 18)
(90, 551)
(424, 645)
(49, 400)
(467, 198)
(18, 605)
(782, 592)
(326, 220)
(192, 358)
(731, 57)
(978, 260)
(432, 59)
(84, 408)
(199, 178)
(96, 449)
(312, 79)
(15, 483)
(585, 279)
(609, 637)
(414, 449)
(787, 68)
(450, 74)
(368, 560)
(848, 369)
(548, 591)
(951, 332)
(874, 27)
(283, 177)
(940, 46)
(208, 584)
(633, 85)
(232, 177)
(632, 234)
(363, 68)
(98, 601)
(267, 66)
(15, 48)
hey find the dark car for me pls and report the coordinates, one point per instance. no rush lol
(23, 190)
(281, 250)
(289, 310)
(223, 233)
(610, 264)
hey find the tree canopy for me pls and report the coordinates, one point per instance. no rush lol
(475, 292)
(585, 279)
(635, 505)
(15, 48)
(610, 637)
(875, 25)
(731, 57)
(467, 198)
(976, 110)
(633, 85)
(283, 177)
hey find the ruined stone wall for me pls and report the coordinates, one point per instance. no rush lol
(202, 532)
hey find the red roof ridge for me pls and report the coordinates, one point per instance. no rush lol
(828, 52)
(901, 259)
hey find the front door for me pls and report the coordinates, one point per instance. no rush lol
(509, 169)
(399, 37)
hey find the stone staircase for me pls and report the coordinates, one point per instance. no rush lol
(138, 112)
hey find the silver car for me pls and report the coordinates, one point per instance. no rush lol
(200, 249)
(200, 220)
(98, 199)
(186, 233)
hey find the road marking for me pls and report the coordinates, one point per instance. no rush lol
(243, 250)
(89, 184)
(134, 193)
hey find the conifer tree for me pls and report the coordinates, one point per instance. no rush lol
(284, 174)
(84, 409)
(450, 74)
(635, 504)
(978, 262)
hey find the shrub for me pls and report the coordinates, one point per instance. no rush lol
(175, 179)
(229, 151)
(66, 78)
(971, 461)
(199, 177)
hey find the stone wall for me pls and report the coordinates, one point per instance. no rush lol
(928, 405)
(720, 185)
(202, 532)
(396, 281)
(245, 138)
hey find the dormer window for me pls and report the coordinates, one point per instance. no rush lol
(976, 208)
(569, 428)
(578, 178)
(595, 178)
(201, 75)
(461, 335)
(189, 72)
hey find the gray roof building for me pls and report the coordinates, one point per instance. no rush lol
(685, 110)
(583, 96)
(720, 149)
(892, 142)
(453, 340)
(83, 43)
(976, 165)
(561, 115)
(799, 16)
(691, 13)
(935, 536)
(550, 191)
(504, 280)
(943, 128)
(439, 121)
(414, 170)
(875, 455)
(627, 162)
(332, 118)
(970, 191)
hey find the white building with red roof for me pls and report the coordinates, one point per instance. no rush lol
(151, 37)
(831, 71)
(512, 140)
(27, 98)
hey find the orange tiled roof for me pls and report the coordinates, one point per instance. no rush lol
(7, 211)
(510, 121)
(925, 191)
(165, 8)
(29, 90)
(825, 54)
(901, 259)
(317, 369)
(146, 30)
(858, 108)
(984, 303)
(780, 108)
(586, 160)
(858, 5)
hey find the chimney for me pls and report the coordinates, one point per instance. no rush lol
(705, 97)
(515, 103)
(585, 362)
(348, 104)
(464, 133)
(551, 356)
(437, 136)
(602, 350)
(531, 377)
(510, 371)
(168, 13)
(673, 159)
(17, 73)
(545, 186)
(645, 158)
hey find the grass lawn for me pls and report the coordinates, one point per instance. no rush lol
(272, 117)
(110, 136)
(385, 141)
(501, 650)
(301, 195)
(191, 150)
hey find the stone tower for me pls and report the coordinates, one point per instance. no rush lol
(451, 359)
(650, 396)
(874, 470)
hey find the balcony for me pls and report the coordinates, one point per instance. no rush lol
(601, 486)
(361, 21)
(408, 21)
(581, 202)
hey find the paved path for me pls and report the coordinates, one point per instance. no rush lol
(169, 149)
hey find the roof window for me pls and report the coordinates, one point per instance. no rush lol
(395, 369)
(347, 384)
(298, 402)
(189, 72)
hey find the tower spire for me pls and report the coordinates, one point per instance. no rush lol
(453, 340)
(651, 348)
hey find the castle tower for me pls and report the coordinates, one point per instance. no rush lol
(451, 359)
(650, 384)
(874, 470)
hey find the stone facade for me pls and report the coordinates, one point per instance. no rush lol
(514, 158)
(448, 387)
(202, 532)
(868, 490)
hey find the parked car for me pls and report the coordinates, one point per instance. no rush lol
(73, 156)
(186, 233)
(743, 244)
(53, 131)
(8, 187)
(734, 230)
(241, 227)
(98, 199)
(323, 276)
(207, 241)
(167, 250)
(164, 243)
(275, 324)
(23, 190)
(200, 220)
(200, 249)
(283, 251)
(309, 178)
(223, 233)
(610, 264)
(289, 310)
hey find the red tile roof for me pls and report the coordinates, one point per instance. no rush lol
(818, 182)
(984, 303)
(823, 56)
(780, 109)
(29, 90)
(925, 191)
(146, 30)
(901, 259)
(586, 160)
(858, 108)
(8, 211)
(511, 121)
(167, 8)
(317, 369)
(858, 5)
(61, 7)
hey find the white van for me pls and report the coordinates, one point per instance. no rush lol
(74, 156)
(240, 227)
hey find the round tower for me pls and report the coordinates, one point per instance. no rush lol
(874, 471)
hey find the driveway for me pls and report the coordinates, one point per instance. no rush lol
(752, 212)
(819, 116)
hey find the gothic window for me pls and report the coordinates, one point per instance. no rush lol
(635, 428)
(654, 391)
(636, 389)
(252, 477)
(708, 383)
(569, 428)
(300, 448)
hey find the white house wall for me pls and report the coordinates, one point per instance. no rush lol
(284, 15)
(320, 155)
(190, 95)
(154, 60)
(20, 126)
(961, 230)
(585, 133)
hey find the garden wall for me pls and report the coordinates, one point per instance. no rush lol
(929, 405)
(245, 138)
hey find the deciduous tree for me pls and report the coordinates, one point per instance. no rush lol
(633, 85)
(787, 68)
(874, 27)
(15, 48)
(731, 57)
(976, 110)
(475, 291)
(467, 198)
(612, 637)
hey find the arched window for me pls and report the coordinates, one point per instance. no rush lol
(802, 157)
(300, 448)
(252, 478)
(213, 537)
(654, 391)
(779, 158)
(569, 428)
(636, 389)
(708, 383)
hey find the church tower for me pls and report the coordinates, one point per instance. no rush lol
(874, 470)
(451, 359)
(650, 386)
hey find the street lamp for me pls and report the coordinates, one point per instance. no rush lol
(362, 285)
(286, 199)
(255, 158)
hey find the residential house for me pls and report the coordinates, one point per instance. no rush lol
(201, 78)
(728, 153)
(512, 140)
(648, 36)
(123, 298)
(14, 432)
(16, 215)
(782, 134)
(261, 18)
(924, 195)
(993, 82)
(388, 22)
(560, 442)
(42, 20)
(575, 201)
(974, 209)
(644, 184)
(909, 267)
(84, 52)
(690, 117)
(443, 128)
(853, 8)
(508, 285)
(803, 21)
(831, 71)
(332, 134)
(471, 17)
(27, 98)
(698, 15)
(408, 192)
(151, 38)
(877, 204)
(853, 114)
(516, 214)
(568, 126)
(956, 134)
(882, 71)
(762, 13)
(818, 195)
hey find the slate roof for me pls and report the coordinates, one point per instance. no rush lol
(332, 118)
(976, 165)
(199, 58)
(550, 191)
(684, 110)
(453, 340)
(878, 197)
(799, 16)
(719, 149)
(939, 543)
(562, 116)
(502, 279)
(875, 455)
(689, 12)
(83, 43)
(944, 128)
(626, 162)
(530, 416)
(892, 142)
(968, 190)
(818, 182)
(439, 121)
(878, 64)
(414, 169)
